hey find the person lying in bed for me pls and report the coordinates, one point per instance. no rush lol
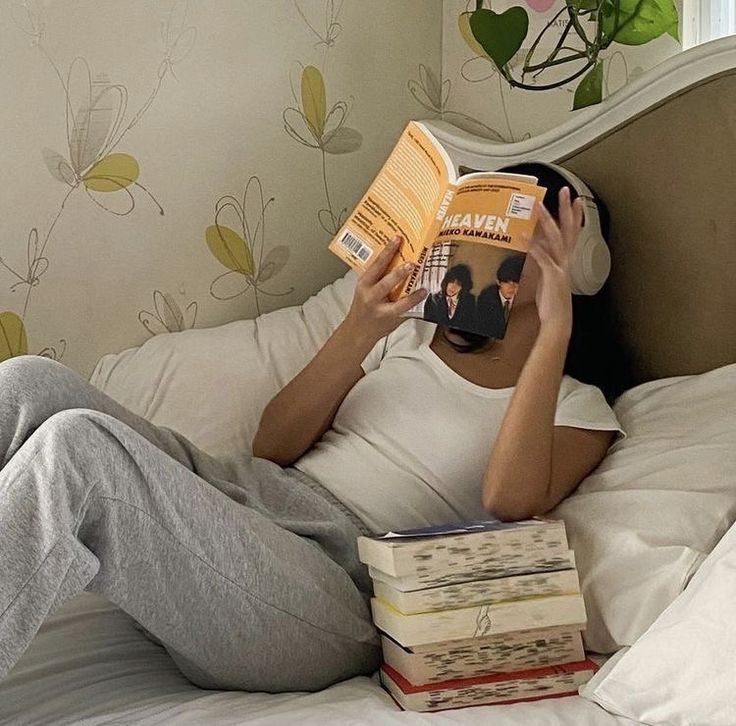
(246, 570)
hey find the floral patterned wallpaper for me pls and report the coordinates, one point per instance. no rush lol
(181, 163)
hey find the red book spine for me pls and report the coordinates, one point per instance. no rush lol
(408, 687)
(499, 703)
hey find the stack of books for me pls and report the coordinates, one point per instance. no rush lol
(477, 613)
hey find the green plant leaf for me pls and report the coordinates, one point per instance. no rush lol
(590, 89)
(230, 249)
(314, 100)
(640, 21)
(582, 4)
(674, 31)
(500, 35)
(463, 24)
(13, 340)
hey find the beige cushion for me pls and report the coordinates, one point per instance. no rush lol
(212, 384)
(642, 523)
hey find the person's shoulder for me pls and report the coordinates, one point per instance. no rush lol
(583, 405)
(573, 391)
(489, 291)
(569, 385)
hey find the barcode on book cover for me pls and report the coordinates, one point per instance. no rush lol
(359, 248)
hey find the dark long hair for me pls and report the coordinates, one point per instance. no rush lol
(592, 355)
(459, 273)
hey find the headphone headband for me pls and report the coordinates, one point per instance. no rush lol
(591, 261)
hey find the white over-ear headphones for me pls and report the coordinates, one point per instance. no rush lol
(591, 261)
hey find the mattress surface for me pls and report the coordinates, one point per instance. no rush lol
(90, 665)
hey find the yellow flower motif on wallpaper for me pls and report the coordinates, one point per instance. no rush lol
(13, 340)
(95, 111)
(94, 116)
(312, 125)
(167, 316)
(242, 251)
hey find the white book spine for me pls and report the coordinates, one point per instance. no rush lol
(505, 653)
(468, 552)
(523, 565)
(478, 621)
(477, 592)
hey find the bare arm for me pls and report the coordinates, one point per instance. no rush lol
(534, 464)
(304, 409)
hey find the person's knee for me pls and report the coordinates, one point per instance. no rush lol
(28, 375)
(79, 428)
(29, 366)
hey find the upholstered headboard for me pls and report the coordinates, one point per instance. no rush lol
(662, 154)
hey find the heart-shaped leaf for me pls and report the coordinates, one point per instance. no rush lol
(500, 35)
(13, 339)
(463, 24)
(230, 249)
(590, 89)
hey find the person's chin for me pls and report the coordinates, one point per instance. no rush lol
(453, 337)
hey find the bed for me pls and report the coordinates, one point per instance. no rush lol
(662, 153)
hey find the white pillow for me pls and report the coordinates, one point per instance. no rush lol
(645, 519)
(212, 384)
(682, 671)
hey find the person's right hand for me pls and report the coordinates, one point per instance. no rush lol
(372, 313)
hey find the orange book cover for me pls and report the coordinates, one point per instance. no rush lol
(468, 234)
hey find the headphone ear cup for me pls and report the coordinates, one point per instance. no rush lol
(590, 265)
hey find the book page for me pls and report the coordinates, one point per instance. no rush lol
(403, 199)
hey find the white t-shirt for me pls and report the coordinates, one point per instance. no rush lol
(410, 443)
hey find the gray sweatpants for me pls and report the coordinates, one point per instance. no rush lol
(246, 573)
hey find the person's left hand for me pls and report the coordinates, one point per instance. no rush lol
(552, 247)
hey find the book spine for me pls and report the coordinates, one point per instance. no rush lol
(501, 654)
(479, 621)
(488, 693)
(523, 564)
(411, 283)
(473, 552)
(476, 592)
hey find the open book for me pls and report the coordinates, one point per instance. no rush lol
(469, 234)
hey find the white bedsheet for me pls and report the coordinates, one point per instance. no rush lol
(90, 665)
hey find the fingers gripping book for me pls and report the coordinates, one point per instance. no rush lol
(468, 234)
